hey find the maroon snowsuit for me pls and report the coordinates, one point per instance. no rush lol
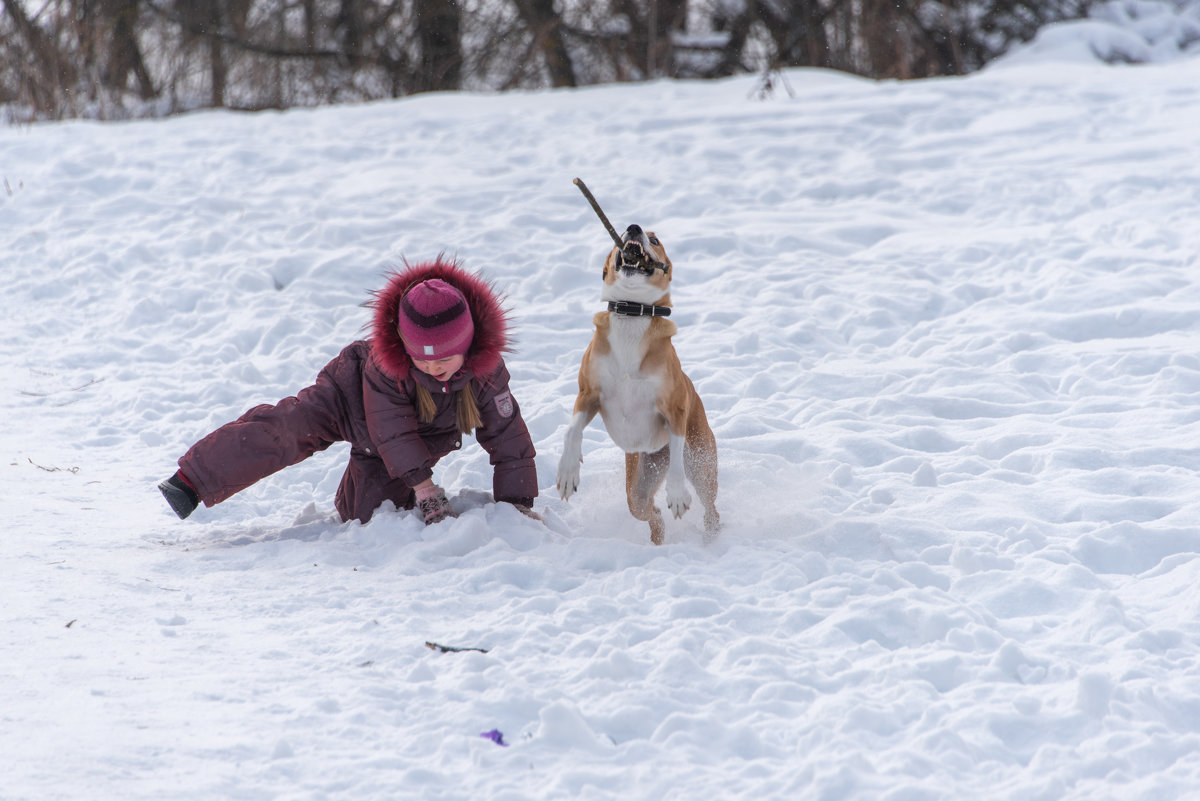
(367, 396)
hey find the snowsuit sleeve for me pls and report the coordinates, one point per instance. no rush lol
(392, 424)
(504, 436)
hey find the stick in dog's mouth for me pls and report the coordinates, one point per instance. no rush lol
(633, 257)
(637, 258)
(596, 208)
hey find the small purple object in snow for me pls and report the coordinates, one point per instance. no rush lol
(495, 736)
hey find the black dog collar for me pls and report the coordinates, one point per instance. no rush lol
(631, 309)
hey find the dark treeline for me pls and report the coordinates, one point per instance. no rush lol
(112, 59)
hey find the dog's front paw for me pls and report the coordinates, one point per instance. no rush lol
(678, 498)
(568, 477)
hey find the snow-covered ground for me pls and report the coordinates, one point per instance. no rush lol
(948, 336)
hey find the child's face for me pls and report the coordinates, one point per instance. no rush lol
(441, 369)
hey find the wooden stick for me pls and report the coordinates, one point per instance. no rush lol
(451, 649)
(596, 207)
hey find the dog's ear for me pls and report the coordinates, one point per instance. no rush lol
(610, 264)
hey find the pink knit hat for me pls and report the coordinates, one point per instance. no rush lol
(434, 321)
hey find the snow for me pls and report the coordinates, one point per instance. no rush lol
(948, 336)
(1116, 31)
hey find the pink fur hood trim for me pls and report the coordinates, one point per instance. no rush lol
(490, 317)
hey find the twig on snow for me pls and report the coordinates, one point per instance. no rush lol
(451, 649)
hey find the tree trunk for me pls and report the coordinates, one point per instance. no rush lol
(216, 53)
(545, 25)
(310, 24)
(54, 73)
(666, 17)
(439, 24)
(124, 53)
(887, 42)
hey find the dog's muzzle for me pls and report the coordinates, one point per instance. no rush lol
(633, 257)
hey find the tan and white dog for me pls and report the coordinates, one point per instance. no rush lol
(631, 377)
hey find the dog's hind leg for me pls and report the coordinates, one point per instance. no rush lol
(700, 463)
(644, 474)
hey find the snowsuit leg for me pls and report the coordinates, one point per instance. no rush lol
(268, 438)
(262, 441)
(365, 485)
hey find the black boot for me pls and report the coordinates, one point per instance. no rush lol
(183, 499)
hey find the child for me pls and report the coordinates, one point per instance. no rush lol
(430, 373)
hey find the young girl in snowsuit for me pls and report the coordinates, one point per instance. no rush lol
(430, 373)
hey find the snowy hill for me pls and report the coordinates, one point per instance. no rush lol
(948, 336)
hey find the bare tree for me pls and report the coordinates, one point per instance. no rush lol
(648, 43)
(438, 24)
(546, 27)
(112, 58)
(124, 57)
(47, 82)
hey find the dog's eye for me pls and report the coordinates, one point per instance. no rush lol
(653, 240)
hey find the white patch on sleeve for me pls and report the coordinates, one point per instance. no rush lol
(504, 404)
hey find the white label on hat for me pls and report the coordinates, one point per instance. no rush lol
(429, 350)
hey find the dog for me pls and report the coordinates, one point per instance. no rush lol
(631, 376)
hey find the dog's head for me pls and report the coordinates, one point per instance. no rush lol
(639, 270)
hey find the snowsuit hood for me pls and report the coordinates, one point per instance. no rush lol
(491, 319)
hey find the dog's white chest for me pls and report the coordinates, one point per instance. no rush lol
(629, 396)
